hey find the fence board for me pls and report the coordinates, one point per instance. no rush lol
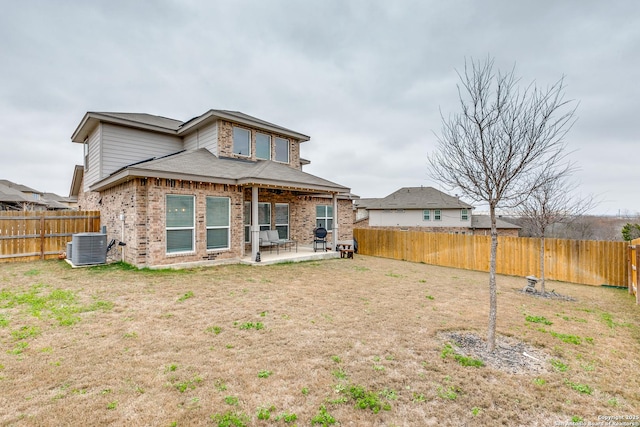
(26, 236)
(587, 262)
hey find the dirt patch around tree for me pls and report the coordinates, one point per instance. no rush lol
(510, 355)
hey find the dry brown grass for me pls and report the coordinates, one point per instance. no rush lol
(124, 362)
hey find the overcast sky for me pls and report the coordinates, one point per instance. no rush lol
(366, 80)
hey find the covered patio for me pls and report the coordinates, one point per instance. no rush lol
(304, 253)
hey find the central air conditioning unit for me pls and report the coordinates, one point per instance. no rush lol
(89, 248)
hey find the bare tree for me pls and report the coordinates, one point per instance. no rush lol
(551, 203)
(497, 149)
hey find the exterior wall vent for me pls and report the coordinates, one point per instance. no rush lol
(89, 248)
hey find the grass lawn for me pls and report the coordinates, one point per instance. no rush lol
(362, 342)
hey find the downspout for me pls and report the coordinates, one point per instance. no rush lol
(255, 228)
(334, 238)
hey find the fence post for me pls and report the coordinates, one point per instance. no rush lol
(637, 274)
(630, 266)
(42, 236)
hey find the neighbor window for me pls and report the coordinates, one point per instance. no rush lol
(282, 220)
(282, 150)
(263, 146)
(324, 216)
(180, 223)
(241, 141)
(426, 215)
(218, 222)
(464, 214)
(437, 216)
(264, 216)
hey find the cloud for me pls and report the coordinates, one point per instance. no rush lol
(365, 79)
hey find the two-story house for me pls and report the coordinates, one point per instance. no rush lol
(425, 209)
(182, 192)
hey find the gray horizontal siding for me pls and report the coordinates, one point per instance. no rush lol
(123, 146)
(92, 169)
(207, 137)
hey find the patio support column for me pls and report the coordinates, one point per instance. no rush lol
(255, 227)
(334, 237)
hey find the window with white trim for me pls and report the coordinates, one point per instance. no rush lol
(464, 214)
(263, 146)
(437, 215)
(180, 220)
(426, 215)
(264, 216)
(282, 220)
(241, 141)
(218, 214)
(247, 222)
(282, 150)
(324, 216)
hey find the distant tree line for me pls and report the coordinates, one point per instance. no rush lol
(585, 227)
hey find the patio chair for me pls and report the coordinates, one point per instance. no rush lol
(275, 237)
(320, 239)
(265, 241)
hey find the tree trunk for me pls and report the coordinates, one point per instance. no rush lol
(542, 265)
(493, 294)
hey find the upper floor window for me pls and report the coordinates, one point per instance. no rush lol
(241, 141)
(426, 215)
(218, 222)
(282, 150)
(464, 214)
(437, 215)
(263, 146)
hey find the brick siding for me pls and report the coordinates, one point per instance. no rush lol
(142, 203)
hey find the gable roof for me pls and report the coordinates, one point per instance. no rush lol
(418, 198)
(172, 126)
(201, 165)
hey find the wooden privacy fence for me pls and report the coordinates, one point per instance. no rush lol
(634, 269)
(26, 236)
(587, 262)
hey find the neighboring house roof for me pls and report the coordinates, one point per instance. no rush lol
(484, 221)
(364, 203)
(172, 126)
(418, 198)
(201, 165)
(10, 194)
(21, 188)
(55, 201)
